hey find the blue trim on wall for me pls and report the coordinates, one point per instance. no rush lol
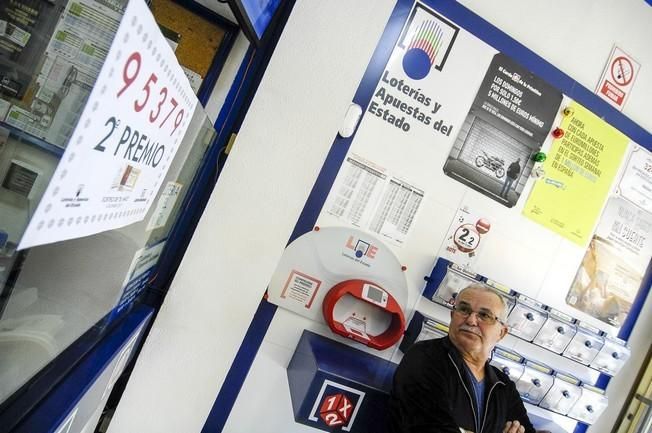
(237, 374)
(492, 36)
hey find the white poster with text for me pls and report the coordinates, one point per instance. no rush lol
(365, 195)
(125, 140)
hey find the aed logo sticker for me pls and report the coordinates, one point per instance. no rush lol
(427, 40)
(336, 406)
(361, 247)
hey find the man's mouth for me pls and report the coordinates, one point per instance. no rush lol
(473, 331)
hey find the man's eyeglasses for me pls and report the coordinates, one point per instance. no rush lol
(484, 315)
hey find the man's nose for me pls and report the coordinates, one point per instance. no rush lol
(472, 318)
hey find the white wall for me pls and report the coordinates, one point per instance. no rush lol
(292, 122)
(251, 215)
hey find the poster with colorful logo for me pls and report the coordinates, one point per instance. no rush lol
(579, 171)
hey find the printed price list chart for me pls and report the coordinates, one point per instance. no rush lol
(367, 196)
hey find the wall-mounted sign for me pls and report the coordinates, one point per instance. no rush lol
(508, 122)
(336, 406)
(618, 78)
(580, 169)
(463, 240)
(614, 264)
(636, 183)
(126, 138)
(365, 195)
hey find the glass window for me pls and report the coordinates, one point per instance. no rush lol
(51, 294)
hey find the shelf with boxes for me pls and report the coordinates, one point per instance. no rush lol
(14, 133)
(538, 324)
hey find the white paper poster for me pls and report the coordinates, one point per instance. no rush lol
(144, 259)
(464, 239)
(164, 206)
(613, 267)
(71, 64)
(367, 196)
(636, 183)
(126, 138)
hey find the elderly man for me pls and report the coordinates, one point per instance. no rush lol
(447, 385)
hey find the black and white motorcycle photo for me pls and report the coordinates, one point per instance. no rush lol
(493, 163)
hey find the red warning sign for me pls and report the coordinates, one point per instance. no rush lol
(612, 92)
(622, 71)
(617, 78)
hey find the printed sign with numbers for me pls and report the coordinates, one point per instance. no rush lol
(336, 406)
(464, 238)
(125, 140)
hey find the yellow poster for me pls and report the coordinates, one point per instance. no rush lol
(579, 171)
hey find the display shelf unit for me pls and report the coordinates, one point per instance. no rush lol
(441, 268)
(25, 137)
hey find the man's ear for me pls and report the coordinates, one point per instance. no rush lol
(503, 331)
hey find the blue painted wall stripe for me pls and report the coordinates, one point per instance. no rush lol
(237, 374)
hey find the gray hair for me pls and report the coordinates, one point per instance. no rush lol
(484, 288)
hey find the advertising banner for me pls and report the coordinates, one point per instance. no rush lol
(614, 264)
(393, 171)
(125, 140)
(580, 169)
(636, 182)
(508, 122)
